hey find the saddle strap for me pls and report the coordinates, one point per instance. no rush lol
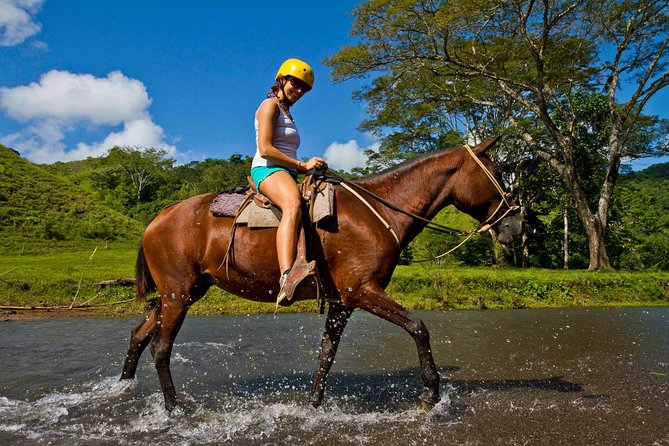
(229, 253)
(381, 219)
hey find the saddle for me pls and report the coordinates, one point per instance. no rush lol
(251, 208)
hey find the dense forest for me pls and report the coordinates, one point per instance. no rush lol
(115, 196)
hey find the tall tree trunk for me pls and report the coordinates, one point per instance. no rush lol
(565, 238)
(525, 243)
(526, 250)
(593, 226)
(599, 258)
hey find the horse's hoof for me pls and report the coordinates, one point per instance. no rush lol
(428, 400)
(315, 401)
(171, 406)
(425, 407)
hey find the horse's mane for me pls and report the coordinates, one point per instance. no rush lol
(405, 174)
(398, 171)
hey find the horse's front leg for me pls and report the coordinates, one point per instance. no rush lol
(169, 322)
(375, 300)
(338, 315)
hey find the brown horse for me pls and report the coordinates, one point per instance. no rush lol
(183, 248)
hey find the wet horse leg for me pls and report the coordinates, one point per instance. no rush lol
(338, 315)
(376, 301)
(140, 337)
(170, 318)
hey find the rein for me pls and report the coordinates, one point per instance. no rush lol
(346, 186)
(430, 224)
(483, 227)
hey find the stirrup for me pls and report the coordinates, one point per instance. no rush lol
(300, 271)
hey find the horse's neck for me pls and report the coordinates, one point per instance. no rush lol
(420, 187)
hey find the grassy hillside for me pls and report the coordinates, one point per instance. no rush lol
(37, 206)
(656, 172)
(78, 172)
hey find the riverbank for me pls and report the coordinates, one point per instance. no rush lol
(29, 314)
(74, 283)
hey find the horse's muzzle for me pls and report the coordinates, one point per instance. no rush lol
(510, 228)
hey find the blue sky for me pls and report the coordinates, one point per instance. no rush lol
(79, 76)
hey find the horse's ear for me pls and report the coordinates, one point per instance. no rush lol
(485, 145)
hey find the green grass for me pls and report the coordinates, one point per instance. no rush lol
(430, 287)
(54, 275)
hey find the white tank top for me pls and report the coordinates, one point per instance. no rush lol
(285, 138)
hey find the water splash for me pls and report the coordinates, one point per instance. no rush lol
(110, 411)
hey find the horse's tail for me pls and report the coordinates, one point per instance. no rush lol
(144, 282)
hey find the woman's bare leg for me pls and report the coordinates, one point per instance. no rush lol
(280, 187)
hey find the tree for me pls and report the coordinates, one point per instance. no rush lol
(141, 167)
(222, 175)
(640, 219)
(523, 62)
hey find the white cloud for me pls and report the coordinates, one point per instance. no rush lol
(16, 20)
(64, 102)
(346, 156)
(68, 97)
(139, 132)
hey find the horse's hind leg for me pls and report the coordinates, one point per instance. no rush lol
(140, 337)
(376, 301)
(338, 315)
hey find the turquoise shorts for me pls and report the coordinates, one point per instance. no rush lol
(259, 173)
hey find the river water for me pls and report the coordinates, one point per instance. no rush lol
(522, 377)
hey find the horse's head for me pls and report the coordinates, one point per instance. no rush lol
(509, 227)
(482, 194)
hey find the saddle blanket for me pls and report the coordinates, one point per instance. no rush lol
(257, 216)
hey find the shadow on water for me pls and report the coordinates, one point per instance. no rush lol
(394, 392)
(553, 384)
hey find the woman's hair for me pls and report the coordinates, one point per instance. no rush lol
(275, 88)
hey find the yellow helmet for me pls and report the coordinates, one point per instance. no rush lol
(298, 69)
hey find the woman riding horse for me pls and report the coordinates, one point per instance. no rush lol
(275, 166)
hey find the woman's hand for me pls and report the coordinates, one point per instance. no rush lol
(316, 163)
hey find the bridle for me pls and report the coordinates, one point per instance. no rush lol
(506, 196)
(485, 226)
